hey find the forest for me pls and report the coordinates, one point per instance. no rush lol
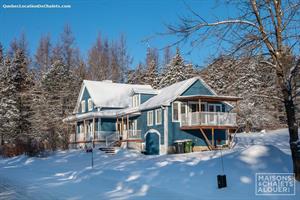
(37, 91)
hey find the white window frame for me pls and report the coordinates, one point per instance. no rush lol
(150, 123)
(158, 112)
(179, 104)
(136, 100)
(90, 104)
(83, 106)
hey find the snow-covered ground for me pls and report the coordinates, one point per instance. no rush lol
(130, 175)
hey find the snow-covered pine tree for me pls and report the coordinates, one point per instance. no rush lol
(13, 93)
(22, 82)
(151, 75)
(176, 71)
(136, 76)
(60, 89)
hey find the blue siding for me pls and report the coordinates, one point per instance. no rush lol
(197, 89)
(85, 97)
(146, 97)
(142, 124)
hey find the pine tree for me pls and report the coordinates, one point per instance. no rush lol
(60, 88)
(176, 71)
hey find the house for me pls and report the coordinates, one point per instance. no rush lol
(137, 116)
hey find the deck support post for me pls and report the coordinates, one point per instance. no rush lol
(206, 139)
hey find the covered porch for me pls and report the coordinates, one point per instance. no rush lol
(209, 114)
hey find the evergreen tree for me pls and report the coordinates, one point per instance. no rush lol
(176, 71)
(60, 88)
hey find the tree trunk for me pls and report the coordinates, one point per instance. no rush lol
(293, 132)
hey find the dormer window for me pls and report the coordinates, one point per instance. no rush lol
(136, 100)
(83, 106)
(90, 104)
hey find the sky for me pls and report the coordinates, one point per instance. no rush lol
(136, 19)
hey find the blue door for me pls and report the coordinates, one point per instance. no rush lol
(152, 144)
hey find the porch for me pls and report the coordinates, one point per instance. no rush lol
(208, 115)
(219, 119)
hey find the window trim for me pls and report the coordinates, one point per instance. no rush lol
(90, 101)
(148, 118)
(178, 111)
(136, 101)
(83, 108)
(156, 116)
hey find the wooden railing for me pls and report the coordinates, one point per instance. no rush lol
(208, 119)
(132, 134)
(99, 135)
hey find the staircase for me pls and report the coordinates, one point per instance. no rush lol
(111, 150)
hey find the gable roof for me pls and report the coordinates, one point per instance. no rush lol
(169, 94)
(108, 94)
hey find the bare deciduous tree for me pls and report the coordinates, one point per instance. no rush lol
(261, 27)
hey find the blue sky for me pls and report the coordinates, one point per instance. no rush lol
(137, 19)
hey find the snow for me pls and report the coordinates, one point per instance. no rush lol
(107, 94)
(130, 175)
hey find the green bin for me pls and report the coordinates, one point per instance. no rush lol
(188, 146)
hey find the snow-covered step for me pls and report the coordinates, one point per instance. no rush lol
(108, 150)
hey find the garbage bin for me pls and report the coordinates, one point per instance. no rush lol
(188, 146)
(179, 146)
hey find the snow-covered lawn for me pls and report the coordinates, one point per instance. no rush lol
(130, 175)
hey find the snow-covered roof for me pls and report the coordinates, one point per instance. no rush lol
(144, 91)
(168, 94)
(108, 94)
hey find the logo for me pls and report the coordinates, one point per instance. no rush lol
(275, 184)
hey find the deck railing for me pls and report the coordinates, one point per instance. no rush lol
(99, 135)
(133, 134)
(208, 119)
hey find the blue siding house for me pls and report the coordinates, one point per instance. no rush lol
(152, 121)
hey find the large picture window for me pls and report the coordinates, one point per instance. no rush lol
(150, 118)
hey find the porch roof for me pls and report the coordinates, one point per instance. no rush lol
(102, 114)
(210, 98)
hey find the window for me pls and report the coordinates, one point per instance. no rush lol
(175, 112)
(150, 118)
(90, 105)
(83, 106)
(135, 100)
(158, 118)
(80, 128)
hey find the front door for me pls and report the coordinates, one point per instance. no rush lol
(152, 143)
(213, 109)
